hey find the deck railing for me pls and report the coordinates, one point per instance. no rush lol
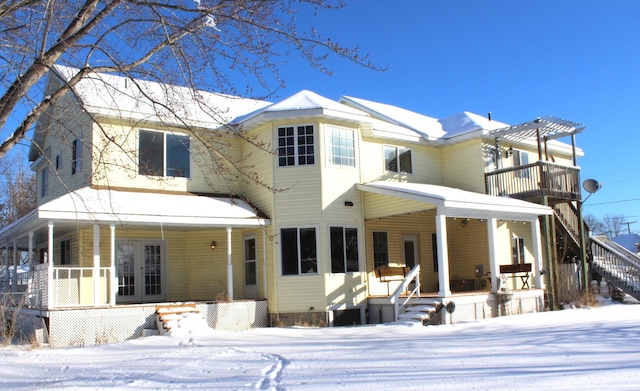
(396, 300)
(617, 265)
(535, 180)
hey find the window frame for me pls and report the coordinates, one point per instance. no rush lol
(376, 247)
(76, 156)
(282, 151)
(300, 263)
(520, 158)
(344, 136)
(164, 171)
(344, 252)
(44, 181)
(518, 252)
(65, 252)
(398, 158)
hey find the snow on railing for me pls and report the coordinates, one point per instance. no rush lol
(620, 267)
(414, 274)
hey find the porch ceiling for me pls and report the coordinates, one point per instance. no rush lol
(134, 209)
(452, 202)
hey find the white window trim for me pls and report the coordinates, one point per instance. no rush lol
(359, 231)
(329, 146)
(298, 228)
(164, 153)
(384, 159)
(295, 135)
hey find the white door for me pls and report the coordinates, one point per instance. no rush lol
(140, 270)
(250, 268)
(410, 250)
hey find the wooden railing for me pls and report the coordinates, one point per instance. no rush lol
(568, 216)
(617, 265)
(535, 180)
(399, 303)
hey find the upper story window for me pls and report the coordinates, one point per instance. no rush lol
(76, 156)
(342, 151)
(296, 146)
(163, 154)
(397, 159)
(44, 181)
(521, 158)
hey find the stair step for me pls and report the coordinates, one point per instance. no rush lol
(414, 315)
(421, 308)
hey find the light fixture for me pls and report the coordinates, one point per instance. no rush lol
(213, 244)
(348, 203)
(464, 222)
(508, 152)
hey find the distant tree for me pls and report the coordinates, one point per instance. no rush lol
(215, 45)
(596, 226)
(17, 190)
(613, 225)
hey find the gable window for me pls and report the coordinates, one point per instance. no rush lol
(163, 154)
(380, 250)
(397, 159)
(517, 251)
(298, 250)
(65, 252)
(344, 250)
(76, 156)
(342, 150)
(296, 146)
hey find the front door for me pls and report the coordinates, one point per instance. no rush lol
(250, 268)
(410, 250)
(140, 268)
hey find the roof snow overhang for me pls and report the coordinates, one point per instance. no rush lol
(136, 209)
(453, 202)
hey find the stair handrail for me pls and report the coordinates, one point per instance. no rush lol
(619, 269)
(618, 250)
(414, 274)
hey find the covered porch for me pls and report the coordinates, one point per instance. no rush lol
(464, 244)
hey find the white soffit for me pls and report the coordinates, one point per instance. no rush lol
(459, 203)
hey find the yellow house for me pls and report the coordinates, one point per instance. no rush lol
(303, 211)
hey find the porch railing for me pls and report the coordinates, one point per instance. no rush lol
(400, 302)
(535, 180)
(617, 265)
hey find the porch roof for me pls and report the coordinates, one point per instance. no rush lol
(456, 202)
(90, 205)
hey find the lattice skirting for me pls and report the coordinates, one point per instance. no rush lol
(73, 327)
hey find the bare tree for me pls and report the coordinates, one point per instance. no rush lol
(193, 43)
(613, 225)
(595, 226)
(17, 190)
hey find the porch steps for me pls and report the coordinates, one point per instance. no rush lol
(168, 315)
(419, 312)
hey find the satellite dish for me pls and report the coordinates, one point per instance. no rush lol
(591, 185)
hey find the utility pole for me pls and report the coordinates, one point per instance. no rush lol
(628, 223)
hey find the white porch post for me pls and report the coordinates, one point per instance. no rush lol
(50, 294)
(264, 262)
(229, 266)
(15, 266)
(443, 256)
(493, 254)
(30, 255)
(113, 289)
(96, 264)
(537, 254)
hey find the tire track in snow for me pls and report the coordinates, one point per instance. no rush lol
(272, 374)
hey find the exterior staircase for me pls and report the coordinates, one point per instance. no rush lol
(619, 266)
(421, 311)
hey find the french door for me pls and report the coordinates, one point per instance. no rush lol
(250, 268)
(140, 267)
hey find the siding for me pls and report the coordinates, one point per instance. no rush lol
(464, 166)
(259, 162)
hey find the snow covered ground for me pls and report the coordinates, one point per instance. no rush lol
(585, 349)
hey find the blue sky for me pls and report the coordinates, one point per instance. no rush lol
(517, 59)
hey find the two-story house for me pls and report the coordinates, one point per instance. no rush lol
(303, 211)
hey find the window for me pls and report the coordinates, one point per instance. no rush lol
(342, 148)
(380, 250)
(434, 251)
(163, 154)
(296, 146)
(58, 161)
(44, 181)
(76, 156)
(65, 252)
(517, 251)
(397, 159)
(344, 250)
(298, 249)
(521, 158)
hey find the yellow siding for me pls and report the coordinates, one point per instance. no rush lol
(468, 247)
(463, 166)
(259, 162)
(377, 206)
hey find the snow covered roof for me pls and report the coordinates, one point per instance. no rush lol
(467, 122)
(629, 241)
(427, 127)
(459, 203)
(123, 97)
(304, 103)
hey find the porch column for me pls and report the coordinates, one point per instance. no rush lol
(229, 266)
(15, 266)
(492, 230)
(96, 264)
(443, 256)
(113, 279)
(30, 255)
(537, 254)
(264, 260)
(50, 297)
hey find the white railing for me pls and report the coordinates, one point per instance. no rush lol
(396, 300)
(74, 286)
(620, 267)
